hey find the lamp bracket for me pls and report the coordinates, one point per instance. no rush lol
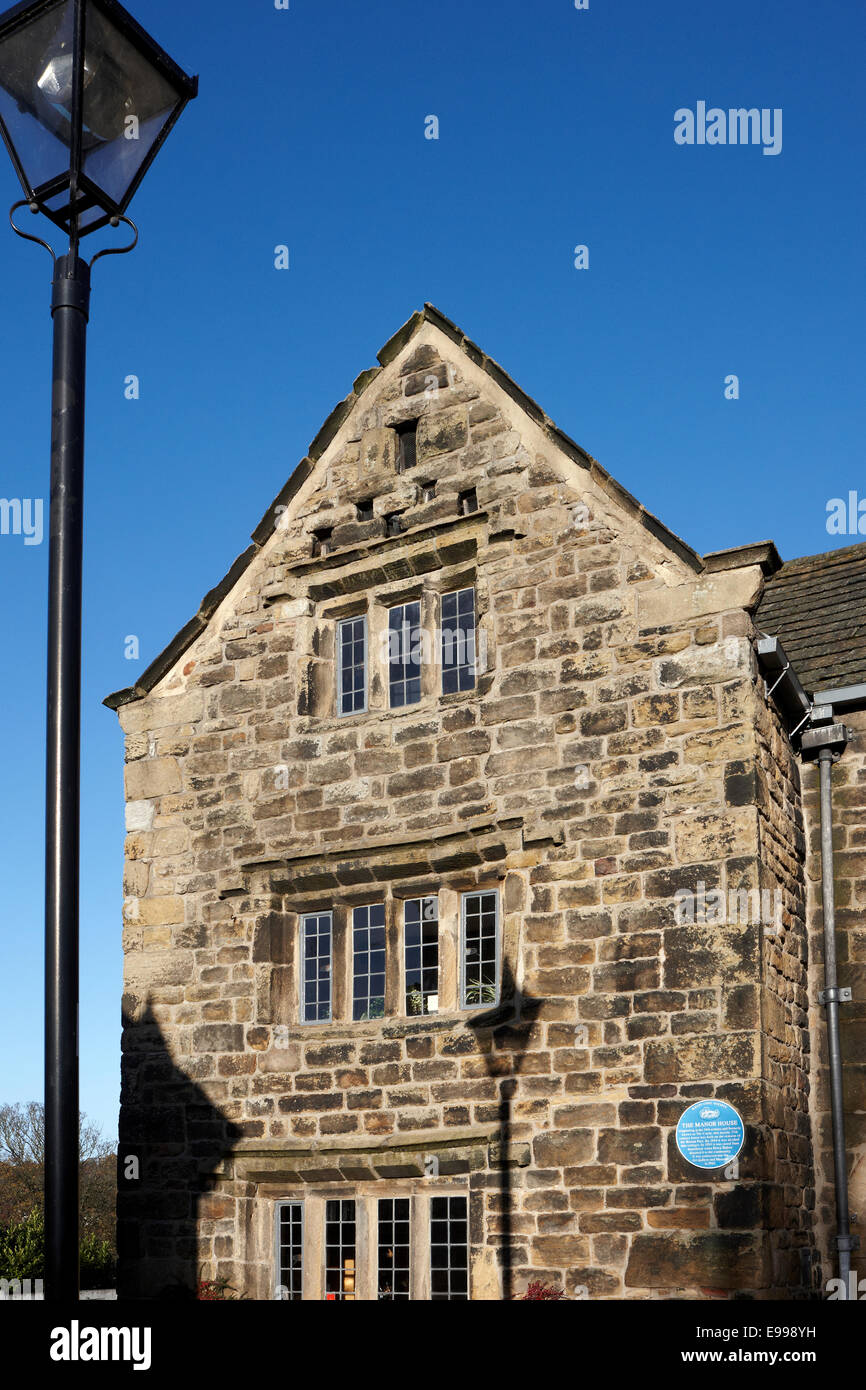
(106, 251)
(26, 203)
(118, 250)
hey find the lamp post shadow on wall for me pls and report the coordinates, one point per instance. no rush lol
(511, 1020)
(87, 99)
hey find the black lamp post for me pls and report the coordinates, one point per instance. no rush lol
(86, 100)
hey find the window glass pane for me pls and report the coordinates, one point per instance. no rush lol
(340, 1257)
(404, 654)
(352, 665)
(394, 1248)
(458, 641)
(316, 955)
(449, 1249)
(479, 947)
(421, 944)
(290, 1237)
(368, 962)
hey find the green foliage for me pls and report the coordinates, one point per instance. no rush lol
(22, 1248)
(97, 1265)
(22, 1253)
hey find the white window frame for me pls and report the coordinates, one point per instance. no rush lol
(403, 1011)
(366, 907)
(278, 1263)
(392, 1197)
(465, 666)
(362, 618)
(302, 974)
(449, 1197)
(476, 893)
(407, 704)
(366, 1197)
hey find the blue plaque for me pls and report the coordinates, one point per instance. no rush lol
(710, 1133)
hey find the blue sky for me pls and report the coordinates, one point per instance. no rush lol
(556, 129)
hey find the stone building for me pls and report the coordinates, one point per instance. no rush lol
(425, 807)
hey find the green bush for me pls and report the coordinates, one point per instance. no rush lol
(22, 1253)
(97, 1263)
(22, 1248)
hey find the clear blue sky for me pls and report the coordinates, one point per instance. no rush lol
(556, 129)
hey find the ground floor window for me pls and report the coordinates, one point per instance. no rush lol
(340, 1251)
(395, 1246)
(370, 1246)
(449, 1248)
(290, 1248)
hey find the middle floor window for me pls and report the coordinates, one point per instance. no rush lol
(434, 963)
(368, 962)
(352, 666)
(421, 945)
(404, 654)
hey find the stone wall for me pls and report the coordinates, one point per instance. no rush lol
(616, 751)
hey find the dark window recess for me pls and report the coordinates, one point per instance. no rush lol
(468, 502)
(322, 540)
(393, 524)
(458, 641)
(404, 654)
(365, 509)
(428, 492)
(406, 445)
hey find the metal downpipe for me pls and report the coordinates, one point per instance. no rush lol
(831, 1005)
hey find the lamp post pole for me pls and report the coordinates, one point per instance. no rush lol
(85, 74)
(69, 308)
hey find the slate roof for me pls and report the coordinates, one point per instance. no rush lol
(816, 606)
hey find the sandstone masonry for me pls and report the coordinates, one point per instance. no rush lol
(616, 748)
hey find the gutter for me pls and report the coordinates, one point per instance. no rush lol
(823, 740)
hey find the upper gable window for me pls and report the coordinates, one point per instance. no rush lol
(352, 666)
(404, 654)
(322, 541)
(406, 445)
(458, 641)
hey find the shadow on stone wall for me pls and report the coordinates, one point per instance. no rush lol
(502, 1035)
(174, 1139)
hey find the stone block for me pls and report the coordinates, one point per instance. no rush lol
(715, 1260)
(152, 777)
